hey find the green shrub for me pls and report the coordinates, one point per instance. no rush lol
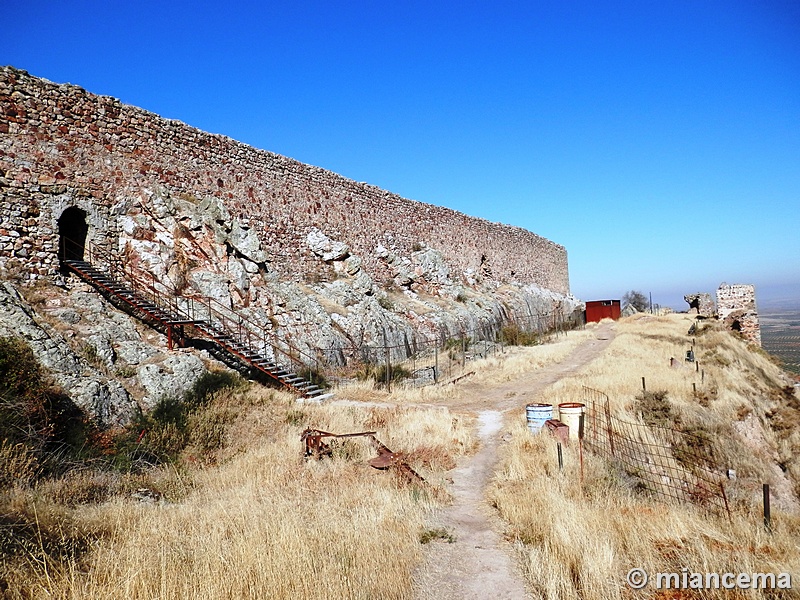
(378, 373)
(89, 352)
(210, 383)
(126, 372)
(314, 376)
(39, 422)
(170, 411)
(175, 422)
(438, 533)
(21, 377)
(513, 335)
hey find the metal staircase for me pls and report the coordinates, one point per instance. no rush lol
(202, 322)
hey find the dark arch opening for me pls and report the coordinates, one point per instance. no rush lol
(736, 325)
(72, 231)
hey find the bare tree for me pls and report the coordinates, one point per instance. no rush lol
(635, 299)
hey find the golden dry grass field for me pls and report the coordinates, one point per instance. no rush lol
(257, 520)
(240, 513)
(578, 538)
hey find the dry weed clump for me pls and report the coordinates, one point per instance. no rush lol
(579, 539)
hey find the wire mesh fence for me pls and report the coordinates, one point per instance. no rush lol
(423, 360)
(666, 464)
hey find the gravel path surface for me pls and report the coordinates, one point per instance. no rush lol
(479, 564)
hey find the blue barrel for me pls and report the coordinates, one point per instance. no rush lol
(537, 414)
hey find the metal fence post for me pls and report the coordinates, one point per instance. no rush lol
(610, 430)
(560, 457)
(388, 369)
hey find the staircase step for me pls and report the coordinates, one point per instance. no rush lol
(172, 315)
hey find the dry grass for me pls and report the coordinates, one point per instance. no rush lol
(511, 363)
(738, 400)
(579, 540)
(245, 516)
(521, 360)
(262, 522)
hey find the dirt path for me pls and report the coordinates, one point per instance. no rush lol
(479, 564)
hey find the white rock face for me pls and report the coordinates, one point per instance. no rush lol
(324, 247)
(247, 243)
(171, 378)
(215, 255)
(100, 396)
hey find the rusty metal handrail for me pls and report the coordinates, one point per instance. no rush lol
(239, 328)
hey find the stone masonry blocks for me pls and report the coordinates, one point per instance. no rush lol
(63, 146)
(736, 307)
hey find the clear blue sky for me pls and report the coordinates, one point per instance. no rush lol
(659, 142)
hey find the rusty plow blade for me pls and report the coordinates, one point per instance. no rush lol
(386, 459)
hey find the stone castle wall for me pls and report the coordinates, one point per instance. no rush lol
(701, 304)
(62, 146)
(736, 307)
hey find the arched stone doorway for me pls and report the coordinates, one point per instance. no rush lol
(72, 231)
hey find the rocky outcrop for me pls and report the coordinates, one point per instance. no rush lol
(108, 364)
(98, 395)
(170, 377)
(194, 249)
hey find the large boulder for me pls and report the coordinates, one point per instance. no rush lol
(326, 248)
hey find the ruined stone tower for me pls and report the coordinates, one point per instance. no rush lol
(736, 307)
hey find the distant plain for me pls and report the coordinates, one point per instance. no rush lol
(780, 335)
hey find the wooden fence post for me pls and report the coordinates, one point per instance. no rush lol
(767, 515)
